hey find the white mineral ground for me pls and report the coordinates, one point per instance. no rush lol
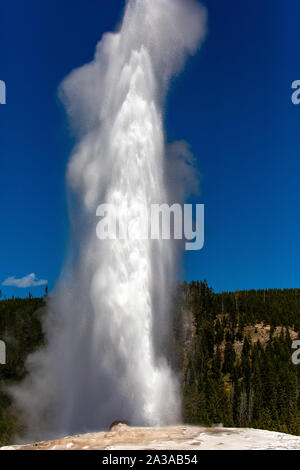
(122, 437)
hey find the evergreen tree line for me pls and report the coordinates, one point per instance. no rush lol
(21, 330)
(256, 387)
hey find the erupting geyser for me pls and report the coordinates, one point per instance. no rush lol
(106, 321)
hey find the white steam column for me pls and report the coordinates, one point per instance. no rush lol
(105, 325)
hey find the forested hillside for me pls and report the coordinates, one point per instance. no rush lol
(20, 328)
(232, 352)
(235, 356)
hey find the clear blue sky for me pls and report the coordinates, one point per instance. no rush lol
(232, 104)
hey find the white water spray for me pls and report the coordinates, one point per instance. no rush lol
(108, 319)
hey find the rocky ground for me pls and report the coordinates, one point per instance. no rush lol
(122, 437)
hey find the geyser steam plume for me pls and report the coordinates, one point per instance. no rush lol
(105, 324)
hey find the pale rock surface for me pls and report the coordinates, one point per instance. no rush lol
(122, 437)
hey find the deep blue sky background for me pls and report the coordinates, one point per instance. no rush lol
(232, 104)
